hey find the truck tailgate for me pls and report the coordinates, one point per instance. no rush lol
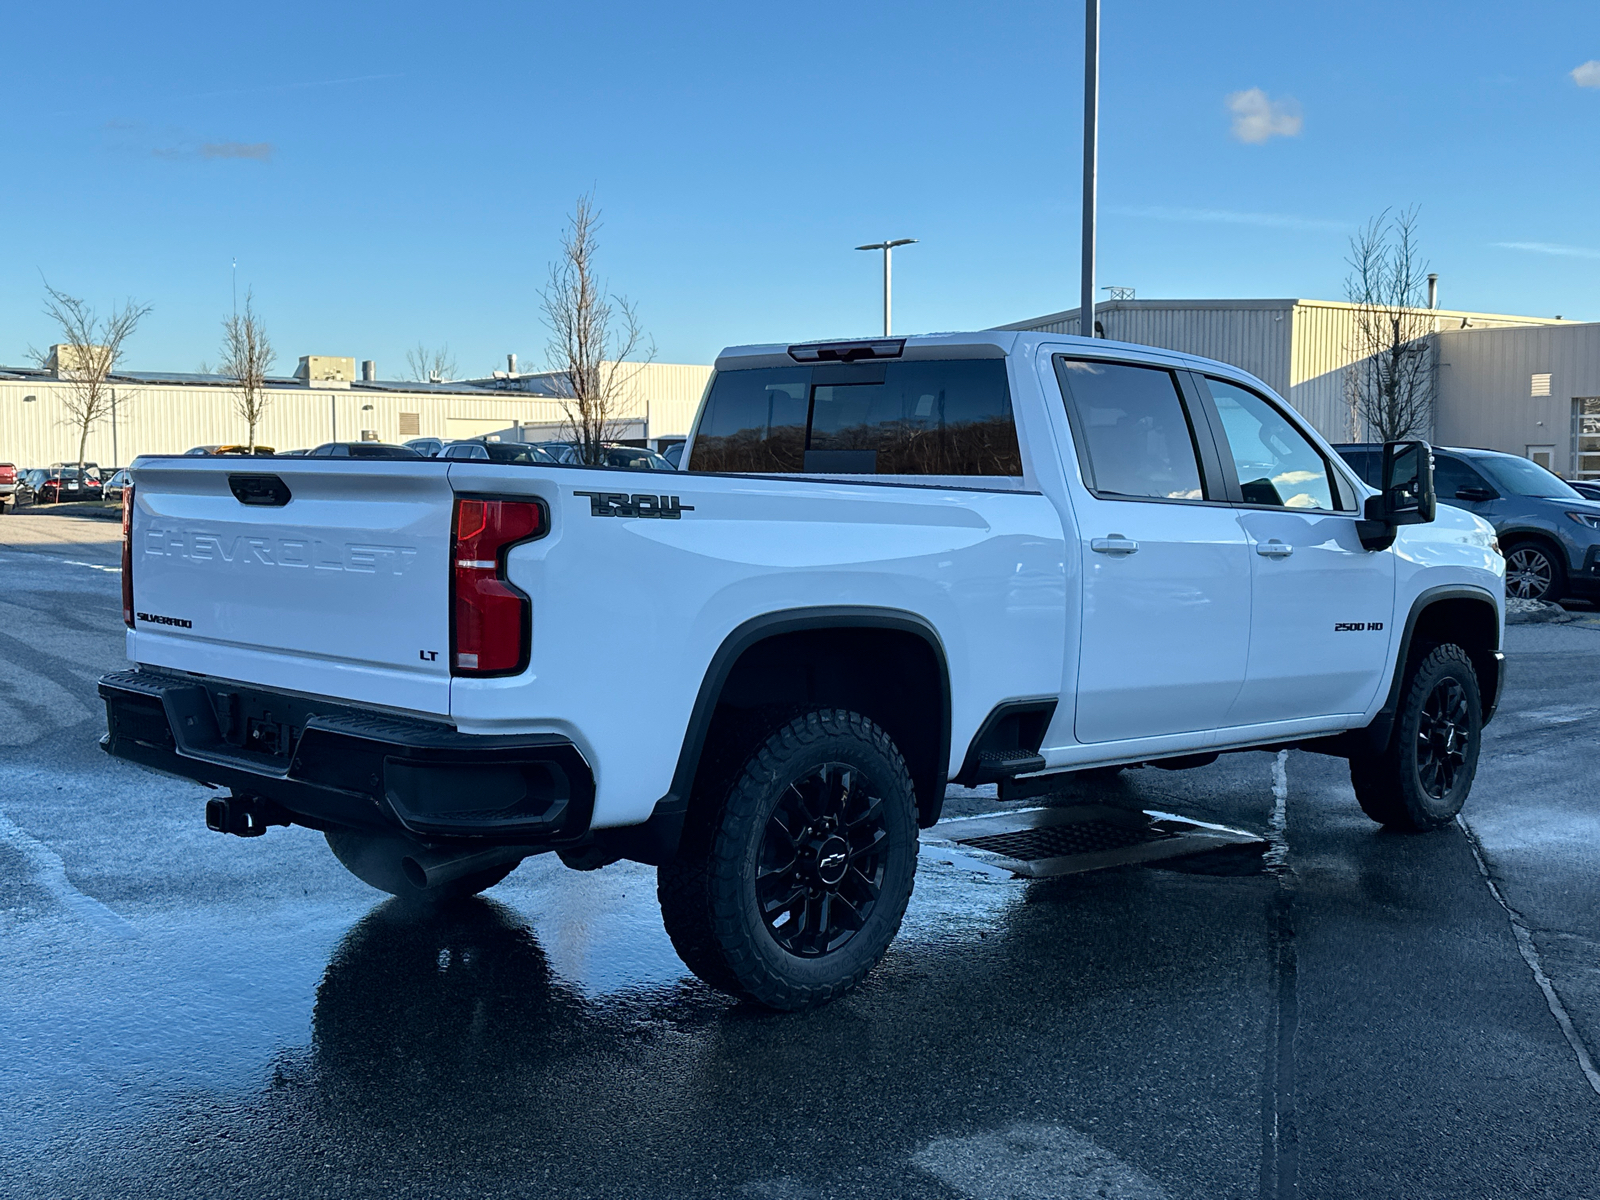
(335, 585)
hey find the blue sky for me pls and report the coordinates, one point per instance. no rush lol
(395, 173)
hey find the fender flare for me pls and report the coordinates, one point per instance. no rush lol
(656, 840)
(1375, 735)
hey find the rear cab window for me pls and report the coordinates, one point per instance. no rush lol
(944, 417)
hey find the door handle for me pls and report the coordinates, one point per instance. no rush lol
(1273, 548)
(1115, 544)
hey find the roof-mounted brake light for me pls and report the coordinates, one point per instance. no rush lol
(848, 351)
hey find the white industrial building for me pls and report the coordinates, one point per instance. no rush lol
(1302, 350)
(167, 413)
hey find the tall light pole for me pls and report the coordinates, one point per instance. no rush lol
(1091, 145)
(888, 249)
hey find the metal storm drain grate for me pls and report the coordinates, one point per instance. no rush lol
(1067, 840)
(1087, 837)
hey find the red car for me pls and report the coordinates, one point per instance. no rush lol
(8, 486)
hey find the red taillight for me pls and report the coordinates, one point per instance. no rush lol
(127, 556)
(491, 620)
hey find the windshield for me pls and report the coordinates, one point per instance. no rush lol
(637, 458)
(1521, 477)
(516, 452)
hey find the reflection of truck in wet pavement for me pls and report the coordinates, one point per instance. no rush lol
(888, 564)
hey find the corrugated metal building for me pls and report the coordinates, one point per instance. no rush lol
(166, 413)
(663, 397)
(1299, 348)
(1534, 392)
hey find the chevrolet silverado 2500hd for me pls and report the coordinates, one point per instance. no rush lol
(887, 565)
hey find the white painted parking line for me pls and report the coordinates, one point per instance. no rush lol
(92, 566)
(1034, 1162)
(1278, 826)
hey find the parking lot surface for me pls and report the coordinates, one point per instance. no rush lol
(1357, 1014)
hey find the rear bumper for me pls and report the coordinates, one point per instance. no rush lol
(330, 765)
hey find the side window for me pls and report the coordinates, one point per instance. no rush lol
(755, 422)
(1133, 433)
(1365, 464)
(1451, 475)
(1277, 465)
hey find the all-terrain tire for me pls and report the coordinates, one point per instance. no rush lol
(767, 833)
(1422, 778)
(374, 858)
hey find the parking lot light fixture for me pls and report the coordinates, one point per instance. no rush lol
(888, 249)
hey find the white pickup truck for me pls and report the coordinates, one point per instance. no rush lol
(887, 565)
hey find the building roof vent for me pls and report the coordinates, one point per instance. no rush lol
(369, 370)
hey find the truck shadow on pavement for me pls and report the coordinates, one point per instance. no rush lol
(1114, 1004)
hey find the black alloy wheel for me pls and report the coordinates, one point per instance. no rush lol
(1422, 778)
(1443, 733)
(823, 860)
(797, 860)
(1532, 573)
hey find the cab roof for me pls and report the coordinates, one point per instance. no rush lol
(986, 343)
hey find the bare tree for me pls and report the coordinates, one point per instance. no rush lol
(87, 356)
(431, 366)
(595, 340)
(1390, 381)
(247, 356)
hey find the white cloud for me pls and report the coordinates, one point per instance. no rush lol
(1223, 216)
(1587, 75)
(1549, 248)
(1257, 117)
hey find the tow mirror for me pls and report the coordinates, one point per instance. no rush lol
(1407, 497)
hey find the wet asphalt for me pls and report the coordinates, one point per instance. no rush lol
(189, 1015)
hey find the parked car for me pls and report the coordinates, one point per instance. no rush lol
(674, 455)
(1548, 531)
(264, 451)
(115, 484)
(8, 485)
(1589, 489)
(429, 447)
(617, 455)
(24, 496)
(60, 482)
(361, 450)
(501, 452)
(1067, 554)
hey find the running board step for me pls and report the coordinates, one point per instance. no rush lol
(995, 765)
(1041, 843)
